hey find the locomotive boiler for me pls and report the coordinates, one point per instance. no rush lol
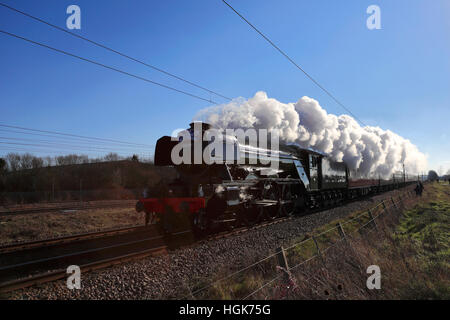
(243, 184)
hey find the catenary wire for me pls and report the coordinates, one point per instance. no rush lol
(293, 62)
(113, 50)
(78, 140)
(74, 135)
(107, 67)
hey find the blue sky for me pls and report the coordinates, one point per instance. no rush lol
(397, 78)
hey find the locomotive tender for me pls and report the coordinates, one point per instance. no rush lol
(243, 189)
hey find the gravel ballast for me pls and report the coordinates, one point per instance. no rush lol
(169, 276)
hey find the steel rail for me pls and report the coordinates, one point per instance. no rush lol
(63, 208)
(61, 273)
(78, 253)
(66, 239)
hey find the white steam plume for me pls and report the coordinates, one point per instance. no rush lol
(371, 151)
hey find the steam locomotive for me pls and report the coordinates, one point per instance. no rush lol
(246, 187)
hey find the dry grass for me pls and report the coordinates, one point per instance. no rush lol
(410, 245)
(31, 227)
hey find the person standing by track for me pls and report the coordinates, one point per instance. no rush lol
(419, 188)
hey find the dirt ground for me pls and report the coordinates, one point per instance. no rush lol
(29, 227)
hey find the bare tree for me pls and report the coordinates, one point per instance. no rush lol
(95, 160)
(112, 156)
(72, 159)
(3, 165)
(48, 161)
(13, 160)
(26, 161)
(60, 160)
(84, 158)
(37, 162)
(67, 160)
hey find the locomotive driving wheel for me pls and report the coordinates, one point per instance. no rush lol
(248, 214)
(286, 208)
(200, 223)
(287, 203)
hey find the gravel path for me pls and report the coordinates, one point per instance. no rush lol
(168, 276)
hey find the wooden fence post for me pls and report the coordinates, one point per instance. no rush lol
(317, 246)
(393, 202)
(373, 220)
(283, 263)
(341, 231)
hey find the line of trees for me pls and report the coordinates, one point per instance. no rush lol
(25, 178)
(13, 162)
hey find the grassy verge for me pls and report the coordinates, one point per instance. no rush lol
(410, 244)
(425, 229)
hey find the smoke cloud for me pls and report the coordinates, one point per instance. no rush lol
(370, 151)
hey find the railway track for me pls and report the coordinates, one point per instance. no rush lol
(31, 263)
(61, 273)
(71, 207)
(18, 246)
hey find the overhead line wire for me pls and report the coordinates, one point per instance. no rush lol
(294, 63)
(106, 66)
(113, 50)
(74, 135)
(77, 140)
(66, 147)
(66, 143)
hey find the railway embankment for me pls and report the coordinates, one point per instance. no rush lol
(182, 272)
(407, 242)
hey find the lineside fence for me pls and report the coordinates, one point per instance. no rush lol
(273, 276)
(60, 196)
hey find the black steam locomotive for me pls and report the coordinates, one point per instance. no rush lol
(246, 187)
